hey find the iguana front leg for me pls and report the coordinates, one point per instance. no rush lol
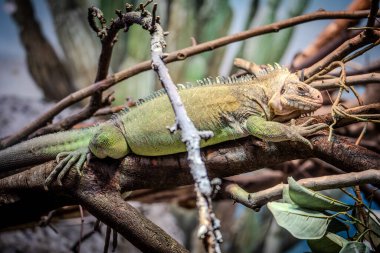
(107, 141)
(74, 159)
(276, 132)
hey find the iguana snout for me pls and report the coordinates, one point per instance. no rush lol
(295, 96)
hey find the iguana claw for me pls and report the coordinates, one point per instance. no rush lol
(304, 129)
(74, 159)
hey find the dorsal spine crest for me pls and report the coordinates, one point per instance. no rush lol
(219, 80)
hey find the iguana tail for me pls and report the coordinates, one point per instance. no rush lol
(44, 148)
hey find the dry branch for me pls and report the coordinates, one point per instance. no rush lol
(333, 83)
(335, 31)
(104, 201)
(338, 54)
(256, 200)
(209, 224)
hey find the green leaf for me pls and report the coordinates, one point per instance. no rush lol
(374, 234)
(355, 247)
(310, 199)
(375, 230)
(286, 196)
(330, 243)
(301, 223)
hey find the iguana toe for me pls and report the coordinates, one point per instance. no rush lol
(74, 159)
(307, 123)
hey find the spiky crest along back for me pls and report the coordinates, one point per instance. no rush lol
(268, 72)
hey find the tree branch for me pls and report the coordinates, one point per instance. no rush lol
(103, 200)
(333, 83)
(372, 16)
(256, 200)
(209, 224)
(222, 160)
(332, 36)
(338, 54)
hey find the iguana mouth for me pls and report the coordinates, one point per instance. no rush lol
(304, 105)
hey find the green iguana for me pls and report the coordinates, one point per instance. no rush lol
(231, 108)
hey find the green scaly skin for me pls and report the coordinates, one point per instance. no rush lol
(230, 107)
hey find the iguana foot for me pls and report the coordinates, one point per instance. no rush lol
(307, 128)
(72, 159)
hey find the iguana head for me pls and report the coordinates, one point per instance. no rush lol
(294, 98)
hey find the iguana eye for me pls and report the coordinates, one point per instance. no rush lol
(300, 89)
(282, 91)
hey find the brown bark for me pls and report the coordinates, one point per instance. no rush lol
(223, 160)
(103, 200)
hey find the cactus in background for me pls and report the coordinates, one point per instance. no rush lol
(282, 42)
(271, 47)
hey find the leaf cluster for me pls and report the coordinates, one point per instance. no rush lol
(320, 220)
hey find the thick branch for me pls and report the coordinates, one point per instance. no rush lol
(103, 200)
(222, 160)
(184, 196)
(174, 56)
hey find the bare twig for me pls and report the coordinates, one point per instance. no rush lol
(108, 37)
(248, 66)
(109, 110)
(350, 80)
(114, 239)
(338, 54)
(81, 227)
(256, 200)
(326, 40)
(209, 224)
(107, 239)
(372, 16)
(174, 56)
(371, 111)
